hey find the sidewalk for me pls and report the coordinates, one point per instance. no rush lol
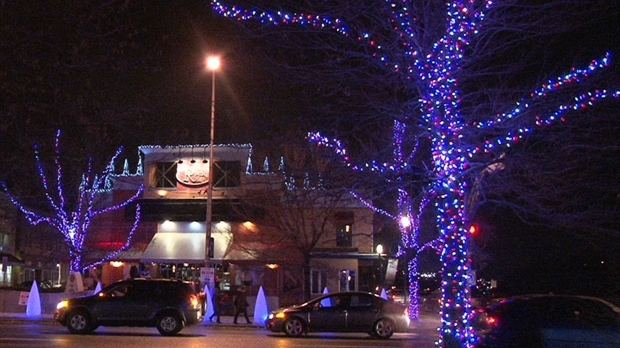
(228, 321)
(23, 318)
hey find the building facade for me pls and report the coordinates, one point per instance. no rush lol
(28, 252)
(249, 246)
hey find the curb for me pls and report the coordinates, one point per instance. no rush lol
(21, 318)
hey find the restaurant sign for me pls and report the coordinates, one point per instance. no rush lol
(193, 174)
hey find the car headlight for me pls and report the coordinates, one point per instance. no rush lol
(62, 304)
(280, 315)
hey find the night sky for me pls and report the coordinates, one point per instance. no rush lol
(132, 73)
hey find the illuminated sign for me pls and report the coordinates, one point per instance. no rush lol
(193, 174)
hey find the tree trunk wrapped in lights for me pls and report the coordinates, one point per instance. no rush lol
(430, 58)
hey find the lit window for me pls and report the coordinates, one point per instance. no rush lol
(347, 280)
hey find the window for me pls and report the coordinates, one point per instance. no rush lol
(344, 229)
(318, 281)
(226, 173)
(122, 290)
(165, 174)
(5, 241)
(361, 301)
(5, 270)
(343, 236)
(347, 280)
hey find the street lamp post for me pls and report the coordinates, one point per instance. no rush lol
(213, 63)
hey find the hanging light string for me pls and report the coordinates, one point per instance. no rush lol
(433, 71)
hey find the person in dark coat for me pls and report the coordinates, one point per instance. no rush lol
(241, 304)
(218, 298)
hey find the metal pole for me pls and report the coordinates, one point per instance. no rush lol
(210, 187)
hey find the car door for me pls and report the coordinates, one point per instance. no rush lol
(121, 303)
(331, 315)
(362, 312)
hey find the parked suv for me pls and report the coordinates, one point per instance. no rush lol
(166, 304)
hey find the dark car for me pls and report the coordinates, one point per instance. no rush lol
(166, 304)
(27, 285)
(341, 312)
(398, 295)
(548, 321)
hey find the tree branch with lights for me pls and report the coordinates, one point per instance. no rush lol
(74, 222)
(411, 201)
(430, 54)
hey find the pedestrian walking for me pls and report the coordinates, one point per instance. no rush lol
(241, 304)
(217, 300)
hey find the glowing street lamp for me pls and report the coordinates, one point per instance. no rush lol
(213, 63)
(379, 249)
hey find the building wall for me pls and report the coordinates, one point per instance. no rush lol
(8, 216)
(232, 242)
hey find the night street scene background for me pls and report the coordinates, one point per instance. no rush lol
(129, 73)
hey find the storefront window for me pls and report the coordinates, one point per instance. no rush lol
(183, 271)
(347, 280)
(318, 281)
(5, 275)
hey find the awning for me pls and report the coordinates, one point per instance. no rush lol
(175, 247)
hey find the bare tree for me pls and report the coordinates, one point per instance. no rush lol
(295, 209)
(73, 218)
(406, 177)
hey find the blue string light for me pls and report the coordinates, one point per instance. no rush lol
(434, 73)
(74, 225)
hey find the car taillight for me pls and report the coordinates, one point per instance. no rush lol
(193, 299)
(491, 320)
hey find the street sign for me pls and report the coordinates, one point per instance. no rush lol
(23, 298)
(207, 276)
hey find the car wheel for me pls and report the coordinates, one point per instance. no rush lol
(78, 322)
(169, 324)
(383, 328)
(294, 327)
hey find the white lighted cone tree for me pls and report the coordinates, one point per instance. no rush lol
(427, 48)
(74, 222)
